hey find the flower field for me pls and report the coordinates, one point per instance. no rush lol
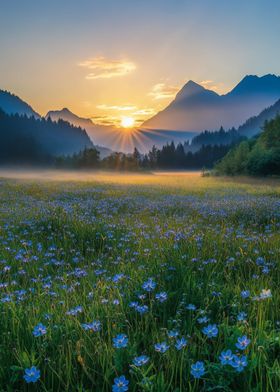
(139, 283)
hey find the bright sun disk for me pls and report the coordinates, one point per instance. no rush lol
(127, 122)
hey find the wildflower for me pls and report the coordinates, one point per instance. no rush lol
(265, 294)
(140, 361)
(242, 342)
(191, 307)
(211, 330)
(226, 357)
(241, 316)
(120, 341)
(39, 330)
(245, 293)
(203, 320)
(32, 374)
(149, 285)
(239, 363)
(197, 369)
(161, 297)
(95, 326)
(120, 384)
(161, 347)
(180, 343)
(75, 311)
(172, 334)
(142, 309)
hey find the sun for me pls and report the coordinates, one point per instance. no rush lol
(127, 122)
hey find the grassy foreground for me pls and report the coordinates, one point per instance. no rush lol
(141, 276)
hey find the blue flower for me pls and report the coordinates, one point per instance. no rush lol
(191, 307)
(242, 342)
(39, 330)
(239, 363)
(241, 316)
(197, 369)
(211, 330)
(180, 343)
(32, 374)
(245, 293)
(149, 285)
(142, 309)
(95, 326)
(161, 347)
(120, 341)
(203, 320)
(226, 357)
(140, 361)
(120, 384)
(172, 334)
(161, 297)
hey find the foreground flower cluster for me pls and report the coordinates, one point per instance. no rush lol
(121, 288)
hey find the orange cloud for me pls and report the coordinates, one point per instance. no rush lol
(162, 91)
(105, 68)
(211, 85)
(120, 108)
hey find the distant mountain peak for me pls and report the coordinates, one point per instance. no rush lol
(190, 89)
(253, 84)
(12, 104)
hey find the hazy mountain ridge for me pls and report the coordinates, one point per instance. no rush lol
(12, 104)
(196, 108)
(20, 133)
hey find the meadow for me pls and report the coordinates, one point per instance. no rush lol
(161, 282)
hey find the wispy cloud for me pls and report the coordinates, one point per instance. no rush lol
(163, 91)
(120, 108)
(211, 85)
(144, 112)
(104, 68)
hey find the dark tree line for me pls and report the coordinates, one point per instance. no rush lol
(28, 140)
(168, 157)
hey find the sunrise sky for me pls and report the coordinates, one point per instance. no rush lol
(116, 59)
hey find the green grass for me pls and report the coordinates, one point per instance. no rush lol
(64, 238)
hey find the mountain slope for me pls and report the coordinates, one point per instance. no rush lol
(195, 108)
(254, 125)
(11, 104)
(47, 137)
(95, 132)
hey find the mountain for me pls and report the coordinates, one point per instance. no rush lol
(11, 104)
(24, 138)
(66, 115)
(254, 125)
(96, 133)
(195, 108)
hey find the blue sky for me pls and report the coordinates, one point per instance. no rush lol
(105, 58)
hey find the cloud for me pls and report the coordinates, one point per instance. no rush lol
(162, 91)
(120, 108)
(104, 68)
(144, 112)
(211, 85)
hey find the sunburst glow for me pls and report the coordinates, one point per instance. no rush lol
(127, 122)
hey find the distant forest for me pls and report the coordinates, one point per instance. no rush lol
(168, 157)
(27, 140)
(259, 156)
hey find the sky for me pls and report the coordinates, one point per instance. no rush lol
(113, 59)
